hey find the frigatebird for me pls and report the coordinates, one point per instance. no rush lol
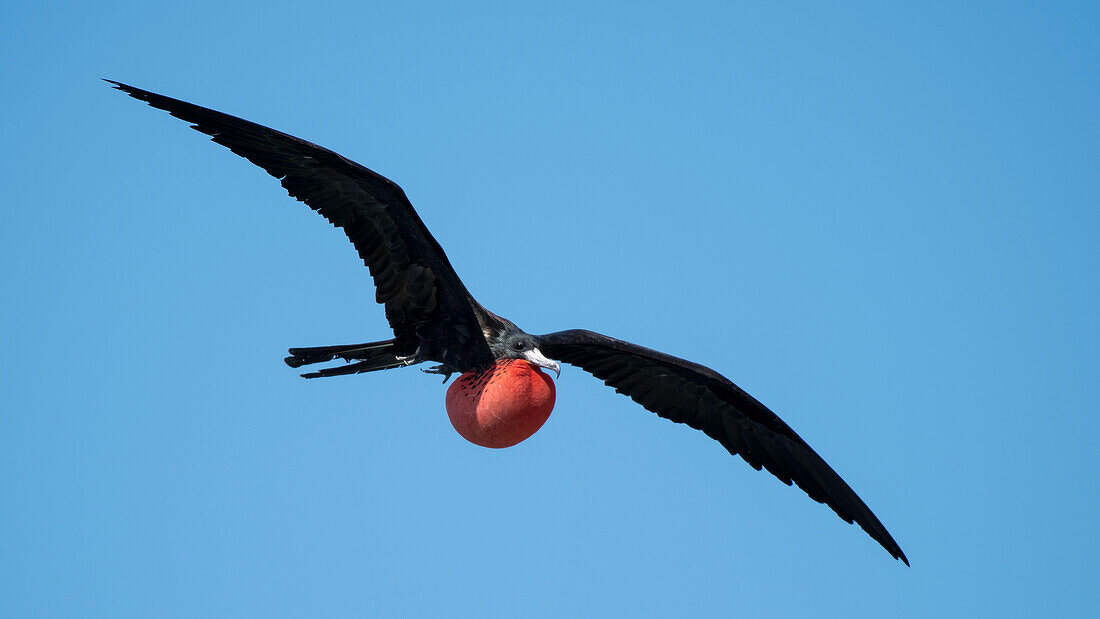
(435, 319)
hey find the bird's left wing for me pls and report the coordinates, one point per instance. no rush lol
(695, 395)
(426, 303)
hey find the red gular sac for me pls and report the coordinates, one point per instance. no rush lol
(501, 406)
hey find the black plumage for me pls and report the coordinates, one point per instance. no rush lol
(703, 399)
(426, 303)
(434, 317)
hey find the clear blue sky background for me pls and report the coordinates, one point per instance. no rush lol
(880, 220)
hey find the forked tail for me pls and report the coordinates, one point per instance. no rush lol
(370, 357)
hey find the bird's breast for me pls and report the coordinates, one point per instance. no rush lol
(501, 406)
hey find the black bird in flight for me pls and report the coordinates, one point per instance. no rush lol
(434, 318)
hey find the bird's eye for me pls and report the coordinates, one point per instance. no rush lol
(519, 345)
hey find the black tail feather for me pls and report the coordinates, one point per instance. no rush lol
(371, 356)
(351, 368)
(319, 354)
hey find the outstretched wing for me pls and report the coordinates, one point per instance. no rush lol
(426, 303)
(689, 393)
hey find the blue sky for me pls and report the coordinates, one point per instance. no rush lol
(880, 220)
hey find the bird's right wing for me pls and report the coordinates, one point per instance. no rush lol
(426, 303)
(703, 399)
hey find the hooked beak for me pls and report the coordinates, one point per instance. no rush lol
(536, 357)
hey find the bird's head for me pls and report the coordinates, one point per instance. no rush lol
(513, 343)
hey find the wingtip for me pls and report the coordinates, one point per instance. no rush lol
(136, 93)
(133, 91)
